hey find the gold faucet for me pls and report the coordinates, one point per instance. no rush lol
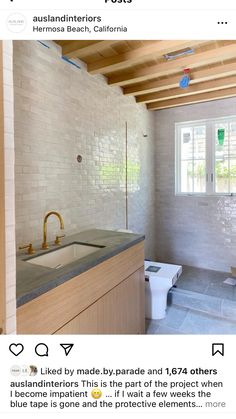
(45, 244)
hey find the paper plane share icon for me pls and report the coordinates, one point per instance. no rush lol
(67, 347)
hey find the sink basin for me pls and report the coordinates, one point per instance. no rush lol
(60, 257)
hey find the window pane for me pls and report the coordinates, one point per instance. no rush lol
(222, 176)
(199, 156)
(233, 175)
(222, 158)
(199, 143)
(193, 156)
(186, 176)
(233, 139)
(200, 176)
(186, 144)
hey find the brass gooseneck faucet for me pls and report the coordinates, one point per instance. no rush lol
(45, 244)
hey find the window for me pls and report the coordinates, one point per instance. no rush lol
(206, 157)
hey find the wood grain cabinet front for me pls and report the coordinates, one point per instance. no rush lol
(120, 311)
(107, 299)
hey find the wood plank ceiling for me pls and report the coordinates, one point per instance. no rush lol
(141, 69)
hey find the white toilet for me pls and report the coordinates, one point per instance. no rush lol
(159, 278)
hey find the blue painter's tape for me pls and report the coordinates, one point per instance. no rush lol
(70, 61)
(42, 43)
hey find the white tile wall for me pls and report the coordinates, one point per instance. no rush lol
(9, 186)
(197, 231)
(60, 112)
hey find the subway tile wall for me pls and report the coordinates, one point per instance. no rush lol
(195, 231)
(62, 112)
(9, 187)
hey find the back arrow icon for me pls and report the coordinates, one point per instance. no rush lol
(67, 347)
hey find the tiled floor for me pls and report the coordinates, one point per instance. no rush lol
(181, 321)
(206, 282)
(190, 320)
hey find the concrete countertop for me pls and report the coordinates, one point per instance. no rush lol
(34, 280)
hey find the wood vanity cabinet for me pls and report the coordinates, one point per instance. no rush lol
(117, 312)
(107, 299)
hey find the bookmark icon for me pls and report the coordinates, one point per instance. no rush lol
(67, 347)
(218, 348)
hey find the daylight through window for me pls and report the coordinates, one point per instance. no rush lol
(206, 157)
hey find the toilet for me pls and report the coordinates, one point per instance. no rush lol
(159, 278)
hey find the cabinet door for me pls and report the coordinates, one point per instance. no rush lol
(86, 323)
(120, 311)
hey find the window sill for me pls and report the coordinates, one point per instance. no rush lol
(201, 195)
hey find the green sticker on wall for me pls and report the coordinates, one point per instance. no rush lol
(221, 136)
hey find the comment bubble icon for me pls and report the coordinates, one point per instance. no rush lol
(41, 349)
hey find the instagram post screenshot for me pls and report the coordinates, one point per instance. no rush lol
(117, 209)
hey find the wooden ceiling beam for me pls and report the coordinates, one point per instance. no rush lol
(197, 76)
(79, 49)
(152, 86)
(174, 66)
(198, 88)
(154, 50)
(182, 101)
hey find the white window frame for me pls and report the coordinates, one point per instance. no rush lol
(210, 155)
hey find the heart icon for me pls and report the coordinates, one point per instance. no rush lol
(16, 348)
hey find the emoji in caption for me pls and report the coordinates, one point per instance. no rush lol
(96, 393)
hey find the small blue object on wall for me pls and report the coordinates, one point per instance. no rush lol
(185, 80)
